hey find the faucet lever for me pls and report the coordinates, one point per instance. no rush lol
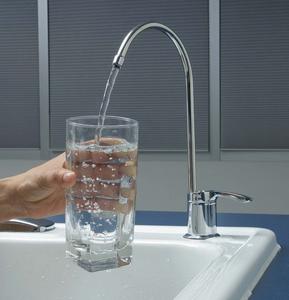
(27, 225)
(212, 196)
(202, 221)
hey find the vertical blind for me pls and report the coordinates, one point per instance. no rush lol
(19, 83)
(255, 74)
(84, 36)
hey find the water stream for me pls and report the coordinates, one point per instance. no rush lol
(105, 101)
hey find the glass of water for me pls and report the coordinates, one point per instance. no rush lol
(100, 206)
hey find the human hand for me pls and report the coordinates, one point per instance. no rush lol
(40, 191)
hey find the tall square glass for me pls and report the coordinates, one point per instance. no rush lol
(100, 207)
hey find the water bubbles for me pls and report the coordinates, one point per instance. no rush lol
(87, 180)
(108, 221)
(95, 205)
(84, 164)
(123, 200)
(126, 181)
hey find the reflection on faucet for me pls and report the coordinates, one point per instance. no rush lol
(201, 205)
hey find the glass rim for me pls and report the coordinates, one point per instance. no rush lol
(76, 121)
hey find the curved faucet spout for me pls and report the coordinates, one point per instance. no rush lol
(201, 204)
(119, 60)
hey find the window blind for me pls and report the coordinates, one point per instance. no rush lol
(84, 37)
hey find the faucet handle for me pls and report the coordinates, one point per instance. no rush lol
(27, 225)
(211, 196)
(202, 217)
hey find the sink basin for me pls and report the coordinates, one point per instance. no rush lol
(165, 266)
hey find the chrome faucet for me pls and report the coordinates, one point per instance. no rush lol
(27, 225)
(201, 204)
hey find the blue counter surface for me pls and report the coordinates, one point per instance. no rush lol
(275, 282)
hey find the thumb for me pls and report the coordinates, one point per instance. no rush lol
(58, 178)
(68, 178)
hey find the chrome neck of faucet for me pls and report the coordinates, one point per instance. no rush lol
(119, 60)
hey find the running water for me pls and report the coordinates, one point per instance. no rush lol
(105, 101)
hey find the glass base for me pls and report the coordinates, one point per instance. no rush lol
(111, 263)
(93, 262)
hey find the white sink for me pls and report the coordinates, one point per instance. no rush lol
(165, 266)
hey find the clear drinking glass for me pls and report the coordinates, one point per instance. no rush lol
(100, 206)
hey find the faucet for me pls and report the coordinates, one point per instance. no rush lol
(201, 204)
(27, 225)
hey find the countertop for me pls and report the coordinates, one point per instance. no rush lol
(275, 282)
